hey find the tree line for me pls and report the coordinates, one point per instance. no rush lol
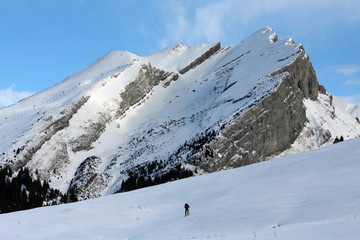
(158, 172)
(145, 175)
(19, 191)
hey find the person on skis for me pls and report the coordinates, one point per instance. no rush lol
(186, 209)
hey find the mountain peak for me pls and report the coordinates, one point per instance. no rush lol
(272, 35)
(202, 107)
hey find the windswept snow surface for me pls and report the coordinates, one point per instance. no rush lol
(312, 195)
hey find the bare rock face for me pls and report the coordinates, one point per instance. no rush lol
(87, 182)
(269, 127)
(303, 76)
(146, 79)
(52, 127)
(93, 132)
(202, 58)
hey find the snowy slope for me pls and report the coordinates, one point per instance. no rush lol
(312, 195)
(18, 121)
(342, 106)
(328, 117)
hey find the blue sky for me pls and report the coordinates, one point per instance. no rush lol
(44, 41)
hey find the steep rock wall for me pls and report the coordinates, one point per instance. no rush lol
(202, 58)
(267, 128)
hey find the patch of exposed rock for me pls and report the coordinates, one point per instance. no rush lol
(93, 132)
(136, 90)
(88, 182)
(202, 58)
(52, 126)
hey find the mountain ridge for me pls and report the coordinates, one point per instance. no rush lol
(231, 107)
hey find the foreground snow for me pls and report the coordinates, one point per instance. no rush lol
(312, 195)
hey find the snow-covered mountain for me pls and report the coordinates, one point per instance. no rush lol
(205, 107)
(311, 195)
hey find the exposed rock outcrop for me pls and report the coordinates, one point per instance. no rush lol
(146, 79)
(303, 75)
(134, 92)
(88, 182)
(93, 132)
(52, 126)
(202, 58)
(269, 127)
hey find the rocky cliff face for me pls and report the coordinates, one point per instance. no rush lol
(267, 128)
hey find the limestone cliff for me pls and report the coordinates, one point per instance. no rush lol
(267, 128)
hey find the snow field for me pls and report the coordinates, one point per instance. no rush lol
(312, 195)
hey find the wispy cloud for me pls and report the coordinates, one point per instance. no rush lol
(205, 23)
(347, 70)
(211, 21)
(10, 96)
(353, 81)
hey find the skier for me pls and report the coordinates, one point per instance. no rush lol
(186, 209)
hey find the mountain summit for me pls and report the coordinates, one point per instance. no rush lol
(181, 111)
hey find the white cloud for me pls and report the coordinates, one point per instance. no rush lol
(207, 23)
(9, 96)
(176, 24)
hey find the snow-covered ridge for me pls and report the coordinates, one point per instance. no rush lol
(312, 195)
(19, 118)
